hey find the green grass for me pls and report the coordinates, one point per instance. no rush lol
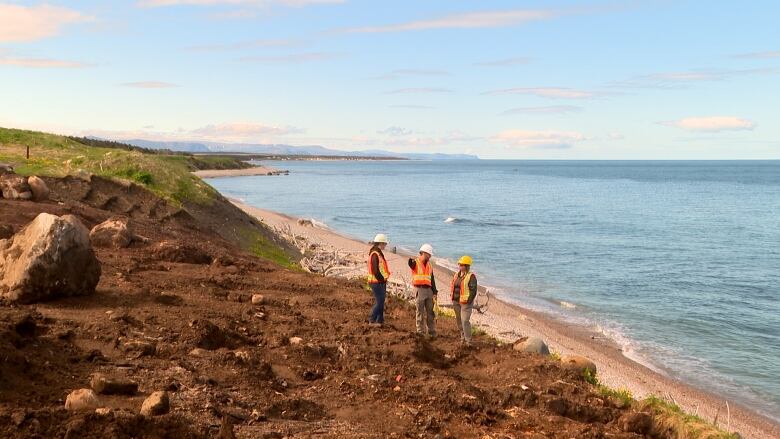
(555, 356)
(261, 246)
(167, 175)
(623, 395)
(590, 377)
(669, 416)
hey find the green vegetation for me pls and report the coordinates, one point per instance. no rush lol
(261, 246)
(217, 162)
(555, 356)
(669, 416)
(590, 377)
(167, 175)
(623, 395)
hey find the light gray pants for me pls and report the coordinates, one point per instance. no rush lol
(425, 315)
(463, 317)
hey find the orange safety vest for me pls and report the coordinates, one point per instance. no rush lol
(464, 288)
(383, 269)
(422, 274)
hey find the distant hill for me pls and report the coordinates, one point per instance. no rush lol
(281, 149)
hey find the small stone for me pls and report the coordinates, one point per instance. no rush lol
(257, 299)
(103, 411)
(397, 388)
(532, 345)
(156, 404)
(82, 400)
(198, 352)
(113, 233)
(295, 341)
(140, 348)
(112, 386)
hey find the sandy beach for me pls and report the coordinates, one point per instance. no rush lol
(509, 322)
(257, 170)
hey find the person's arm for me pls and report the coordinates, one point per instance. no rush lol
(375, 267)
(433, 285)
(472, 289)
(412, 263)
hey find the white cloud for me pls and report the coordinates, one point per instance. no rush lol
(469, 20)
(538, 139)
(253, 44)
(419, 90)
(149, 84)
(686, 78)
(413, 107)
(395, 131)
(400, 73)
(546, 92)
(552, 109)
(30, 23)
(711, 124)
(507, 62)
(294, 58)
(241, 132)
(291, 3)
(760, 55)
(42, 63)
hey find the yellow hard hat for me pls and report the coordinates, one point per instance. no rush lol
(465, 260)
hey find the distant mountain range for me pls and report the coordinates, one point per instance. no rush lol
(280, 149)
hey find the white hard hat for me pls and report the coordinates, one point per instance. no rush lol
(427, 248)
(380, 237)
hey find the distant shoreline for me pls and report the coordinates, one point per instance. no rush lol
(508, 321)
(245, 172)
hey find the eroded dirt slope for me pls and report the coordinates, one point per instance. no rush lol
(178, 317)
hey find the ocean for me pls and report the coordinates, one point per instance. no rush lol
(679, 262)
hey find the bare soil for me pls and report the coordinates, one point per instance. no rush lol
(176, 314)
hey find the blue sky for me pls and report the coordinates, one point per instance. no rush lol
(501, 79)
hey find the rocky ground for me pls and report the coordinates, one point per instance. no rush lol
(244, 348)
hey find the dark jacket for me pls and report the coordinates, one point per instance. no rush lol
(413, 266)
(472, 287)
(375, 264)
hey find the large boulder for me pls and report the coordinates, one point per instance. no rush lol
(534, 345)
(40, 192)
(578, 363)
(15, 187)
(50, 257)
(113, 233)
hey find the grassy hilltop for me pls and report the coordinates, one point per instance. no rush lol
(166, 174)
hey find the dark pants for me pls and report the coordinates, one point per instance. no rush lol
(378, 311)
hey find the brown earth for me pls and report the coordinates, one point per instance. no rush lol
(175, 314)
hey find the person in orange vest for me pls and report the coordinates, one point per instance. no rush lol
(378, 273)
(424, 290)
(463, 291)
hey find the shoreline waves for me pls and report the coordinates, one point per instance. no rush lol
(507, 320)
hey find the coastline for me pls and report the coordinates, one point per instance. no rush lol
(246, 172)
(507, 322)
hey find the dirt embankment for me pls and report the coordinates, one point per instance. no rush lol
(301, 362)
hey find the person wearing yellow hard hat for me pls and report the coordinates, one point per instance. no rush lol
(424, 291)
(378, 273)
(463, 291)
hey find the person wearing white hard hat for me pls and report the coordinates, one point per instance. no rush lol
(378, 273)
(425, 290)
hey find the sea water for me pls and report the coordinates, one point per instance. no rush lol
(677, 261)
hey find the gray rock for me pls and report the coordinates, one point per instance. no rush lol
(15, 187)
(113, 233)
(578, 363)
(532, 345)
(50, 257)
(5, 168)
(156, 404)
(82, 400)
(112, 386)
(40, 192)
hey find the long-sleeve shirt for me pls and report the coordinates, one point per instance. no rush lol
(375, 265)
(413, 266)
(472, 287)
